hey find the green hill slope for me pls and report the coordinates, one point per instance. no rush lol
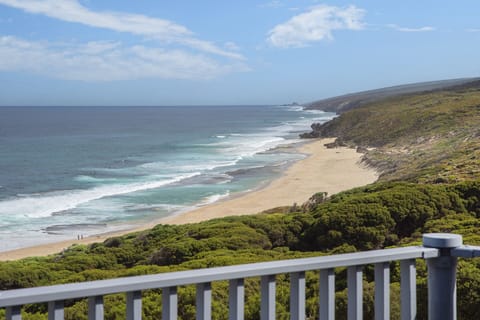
(430, 137)
(350, 101)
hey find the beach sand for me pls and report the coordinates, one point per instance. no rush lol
(323, 170)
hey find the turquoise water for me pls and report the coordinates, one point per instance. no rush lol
(71, 171)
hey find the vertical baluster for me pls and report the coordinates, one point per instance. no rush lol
(327, 294)
(134, 305)
(382, 291)
(297, 296)
(204, 301)
(55, 310)
(408, 290)
(169, 303)
(95, 308)
(13, 313)
(236, 299)
(267, 309)
(355, 293)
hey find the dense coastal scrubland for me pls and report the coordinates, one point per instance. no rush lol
(426, 147)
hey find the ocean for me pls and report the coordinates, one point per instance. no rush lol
(71, 171)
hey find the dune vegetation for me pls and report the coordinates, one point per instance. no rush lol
(427, 148)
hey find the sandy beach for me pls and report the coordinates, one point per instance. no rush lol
(323, 170)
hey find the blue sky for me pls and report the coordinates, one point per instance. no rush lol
(150, 52)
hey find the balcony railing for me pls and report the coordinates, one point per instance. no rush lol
(439, 250)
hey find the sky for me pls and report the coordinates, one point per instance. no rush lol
(154, 53)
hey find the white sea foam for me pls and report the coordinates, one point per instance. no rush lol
(90, 179)
(187, 166)
(294, 108)
(249, 147)
(214, 198)
(55, 202)
(316, 111)
(248, 144)
(157, 206)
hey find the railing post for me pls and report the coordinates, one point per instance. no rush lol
(169, 303)
(382, 291)
(267, 297)
(442, 276)
(134, 305)
(408, 290)
(56, 310)
(236, 299)
(297, 295)
(95, 308)
(204, 301)
(355, 293)
(327, 294)
(13, 313)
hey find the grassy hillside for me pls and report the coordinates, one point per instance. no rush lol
(432, 137)
(427, 146)
(350, 101)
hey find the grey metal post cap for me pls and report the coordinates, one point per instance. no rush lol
(442, 240)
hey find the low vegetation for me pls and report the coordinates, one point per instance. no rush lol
(432, 137)
(427, 146)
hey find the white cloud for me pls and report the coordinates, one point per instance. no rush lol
(107, 61)
(160, 29)
(406, 29)
(315, 25)
(232, 46)
(272, 4)
(473, 30)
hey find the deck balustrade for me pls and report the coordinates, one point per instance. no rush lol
(439, 250)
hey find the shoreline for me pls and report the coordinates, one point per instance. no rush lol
(323, 170)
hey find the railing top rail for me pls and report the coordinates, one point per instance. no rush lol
(128, 284)
(466, 252)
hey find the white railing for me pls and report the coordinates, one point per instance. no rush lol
(440, 251)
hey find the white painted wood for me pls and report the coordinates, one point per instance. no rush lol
(95, 308)
(134, 305)
(327, 294)
(408, 290)
(204, 301)
(267, 307)
(355, 293)
(13, 313)
(382, 291)
(297, 296)
(169, 303)
(236, 299)
(56, 310)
